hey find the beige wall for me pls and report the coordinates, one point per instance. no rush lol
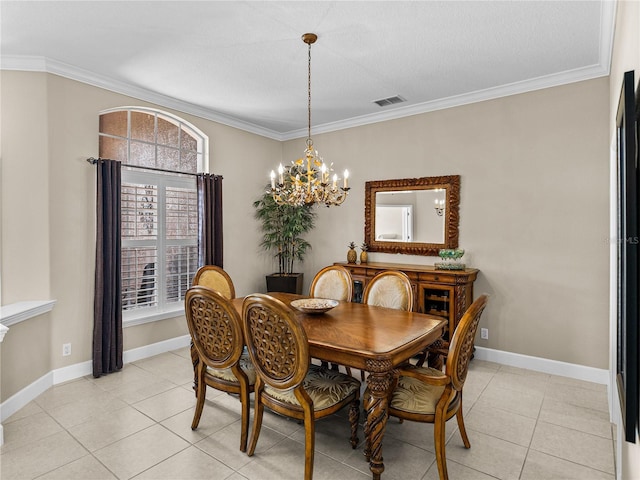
(25, 191)
(626, 56)
(533, 211)
(534, 208)
(25, 356)
(49, 128)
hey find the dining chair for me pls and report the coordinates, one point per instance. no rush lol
(286, 381)
(332, 282)
(391, 289)
(428, 395)
(216, 334)
(215, 278)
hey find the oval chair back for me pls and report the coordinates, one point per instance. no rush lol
(276, 341)
(332, 282)
(215, 278)
(391, 289)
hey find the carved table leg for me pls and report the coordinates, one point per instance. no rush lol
(376, 402)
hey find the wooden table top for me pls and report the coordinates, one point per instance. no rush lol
(359, 335)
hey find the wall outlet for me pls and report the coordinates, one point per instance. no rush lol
(66, 349)
(484, 333)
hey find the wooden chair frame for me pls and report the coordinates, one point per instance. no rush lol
(218, 342)
(453, 378)
(263, 316)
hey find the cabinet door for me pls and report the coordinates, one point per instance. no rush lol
(437, 300)
(359, 282)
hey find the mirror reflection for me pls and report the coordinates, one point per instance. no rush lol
(410, 216)
(415, 215)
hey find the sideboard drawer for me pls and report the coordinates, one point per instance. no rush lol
(437, 277)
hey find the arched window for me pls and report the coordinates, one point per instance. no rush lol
(160, 154)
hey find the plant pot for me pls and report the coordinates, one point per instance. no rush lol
(289, 283)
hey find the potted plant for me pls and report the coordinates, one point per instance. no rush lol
(283, 227)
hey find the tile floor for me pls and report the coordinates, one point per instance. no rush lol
(136, 424)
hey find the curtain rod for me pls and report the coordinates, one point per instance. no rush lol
(93, 161)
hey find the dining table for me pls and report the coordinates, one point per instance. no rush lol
(373, 339)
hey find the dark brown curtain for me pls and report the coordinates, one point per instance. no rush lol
(209, 219)
(107, 306)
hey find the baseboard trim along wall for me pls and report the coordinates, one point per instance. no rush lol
(14, 403)
(30, 392)
(553, 367)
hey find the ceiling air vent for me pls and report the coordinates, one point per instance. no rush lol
(389, 101)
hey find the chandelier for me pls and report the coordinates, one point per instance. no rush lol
(306, 181)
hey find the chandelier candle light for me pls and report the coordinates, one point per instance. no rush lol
(306, 181)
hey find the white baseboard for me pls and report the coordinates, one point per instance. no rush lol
(59, 375)
(156, 348)
(544, 365)
(78, 370)
(18, 400)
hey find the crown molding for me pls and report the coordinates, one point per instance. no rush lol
(600, 69)
(47, 65)
(555, 80)
(40, 64)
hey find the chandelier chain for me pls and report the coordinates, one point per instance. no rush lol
(309, 97)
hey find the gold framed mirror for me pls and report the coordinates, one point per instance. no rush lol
(414, 216)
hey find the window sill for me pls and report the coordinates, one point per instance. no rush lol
(21, 311)
(146, 317)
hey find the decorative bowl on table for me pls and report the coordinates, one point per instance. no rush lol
(314, 305)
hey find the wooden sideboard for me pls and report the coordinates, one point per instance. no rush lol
(446, 293)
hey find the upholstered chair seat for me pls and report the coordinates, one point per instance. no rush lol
(226, 374)
(414, 396)
(326, 388)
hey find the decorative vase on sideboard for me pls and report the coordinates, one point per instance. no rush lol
(352, 255)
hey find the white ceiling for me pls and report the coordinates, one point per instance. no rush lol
(244, 63)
